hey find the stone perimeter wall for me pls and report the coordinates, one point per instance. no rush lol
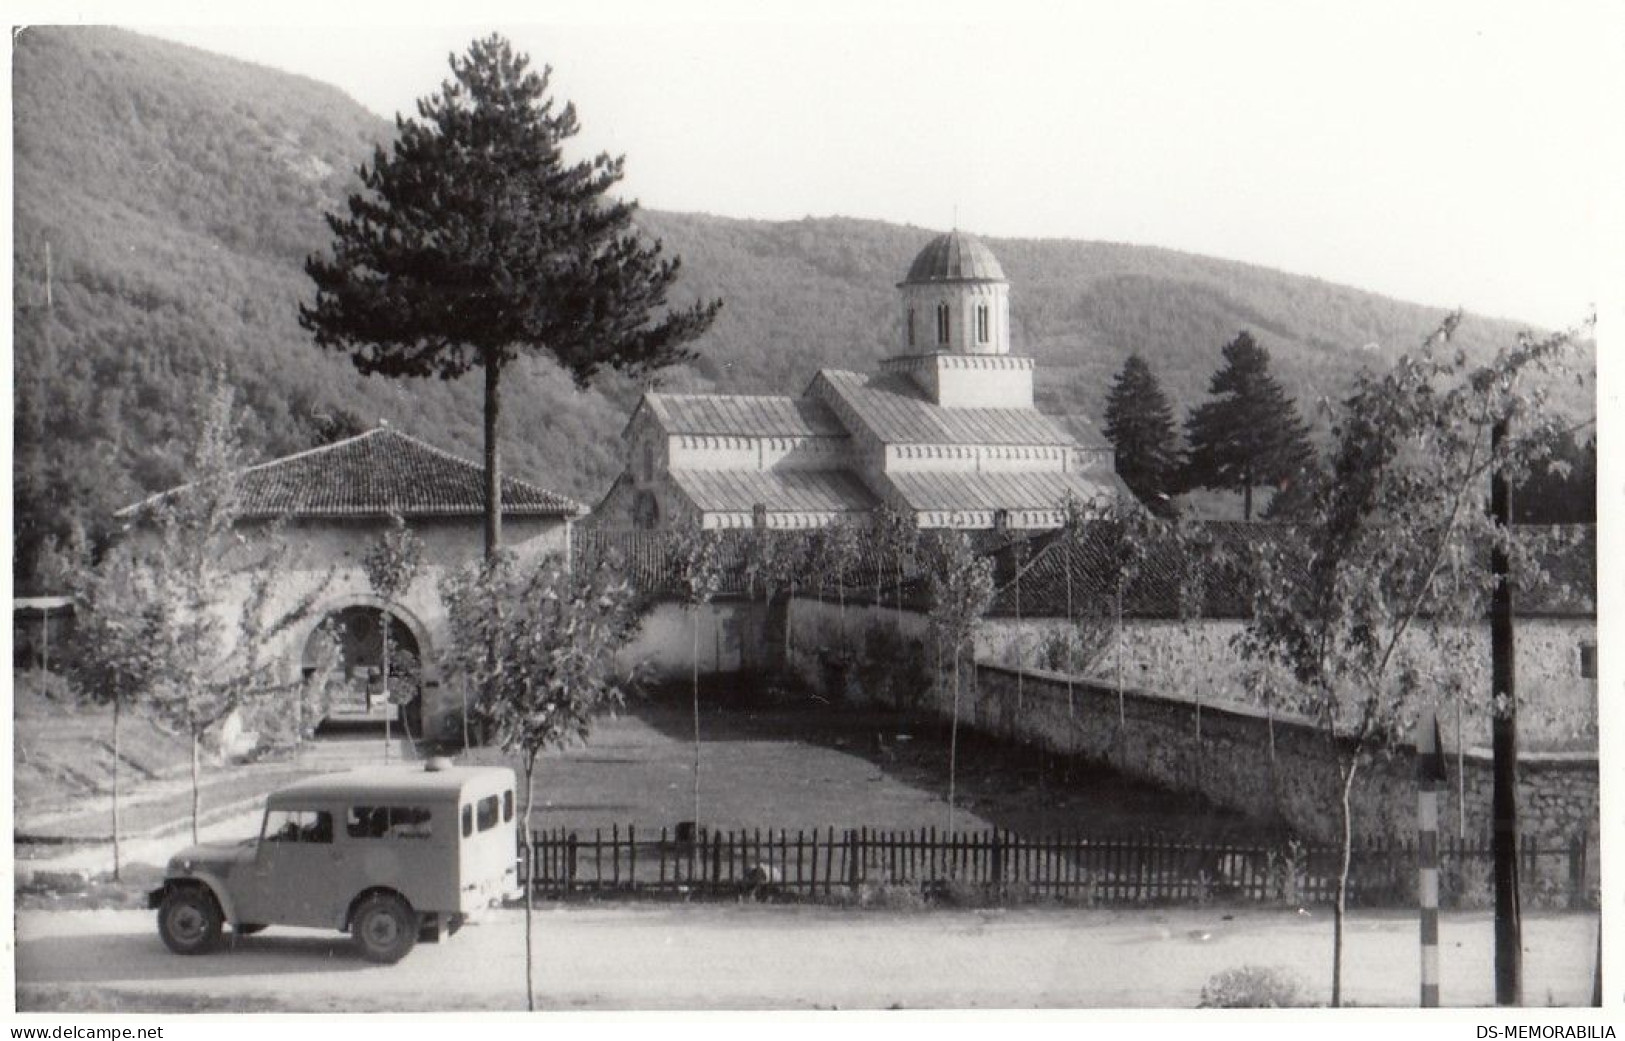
(1235, 755)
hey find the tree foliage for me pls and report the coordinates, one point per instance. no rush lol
(1140, 426)
(1393, 541)
(539, 645)
(201, 591)
(1251, 434)
(961, 592)
(475, 240)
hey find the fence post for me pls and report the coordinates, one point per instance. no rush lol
(852, 859)
(570, 864)
(996, 868)
(1577, 871)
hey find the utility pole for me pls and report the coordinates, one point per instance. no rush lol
(1504, 741)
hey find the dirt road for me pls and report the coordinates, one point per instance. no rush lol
(754, 957)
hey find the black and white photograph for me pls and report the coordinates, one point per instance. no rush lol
(523, 510)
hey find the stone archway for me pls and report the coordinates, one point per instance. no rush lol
(354, 686)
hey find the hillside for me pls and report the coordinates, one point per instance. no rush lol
(180, 191)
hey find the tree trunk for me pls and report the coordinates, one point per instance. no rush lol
(530, 882)
(1071, 631)
(196, 799)
(1121, 718)
(953, 746)
(117, 701)
(1341, 904)
(462, 685)
(493, 456)
(695, 627)
(1247, 500)
(389, 705)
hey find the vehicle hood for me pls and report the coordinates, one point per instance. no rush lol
(210, 856)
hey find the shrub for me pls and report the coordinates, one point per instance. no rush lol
(1467, 884)
(1253, 986)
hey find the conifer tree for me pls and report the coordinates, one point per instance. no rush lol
(1140, 425)
(475, 242)
(1251, 434)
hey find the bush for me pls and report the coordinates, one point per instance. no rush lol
(1253, 986)
(1467, 884)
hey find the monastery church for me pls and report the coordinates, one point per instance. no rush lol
(945, 432)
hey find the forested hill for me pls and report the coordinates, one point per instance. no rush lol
(179, 193)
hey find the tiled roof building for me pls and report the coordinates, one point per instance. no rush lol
(376, 474)
(946, 432)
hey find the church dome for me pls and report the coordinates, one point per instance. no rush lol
(954, 257)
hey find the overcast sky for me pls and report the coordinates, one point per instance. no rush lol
(1447, 155)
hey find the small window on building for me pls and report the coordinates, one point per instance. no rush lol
(507, 806)
(648, 462)
(911, 327)
(942, 323)
(981, 323)
(468, 821)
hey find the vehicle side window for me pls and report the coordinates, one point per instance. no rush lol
(507, 806)
(468, 821)
(299, 826)
(388, 822)
(486, 813)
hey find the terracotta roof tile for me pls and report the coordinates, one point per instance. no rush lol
(377, 473)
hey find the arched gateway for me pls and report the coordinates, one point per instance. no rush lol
(332, 504)
(352, 628)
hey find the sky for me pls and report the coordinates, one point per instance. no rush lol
(1442, 153)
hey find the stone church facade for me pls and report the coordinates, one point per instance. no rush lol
(945, 431)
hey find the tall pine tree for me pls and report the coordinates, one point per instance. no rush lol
(1250, 435)
(475, 241)
(1140, 425)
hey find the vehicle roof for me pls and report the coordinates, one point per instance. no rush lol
(408, 780)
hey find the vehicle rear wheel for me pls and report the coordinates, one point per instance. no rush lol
(189, 920)
(385, 928)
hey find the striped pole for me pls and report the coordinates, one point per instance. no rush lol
(1430, 775)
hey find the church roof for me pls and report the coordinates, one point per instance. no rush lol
(781, 491)
(896, 411)
(742, 415)
(374, 474)
(998, 490)
(954, 257)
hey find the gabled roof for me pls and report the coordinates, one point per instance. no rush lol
(895, 411)
(374, 474)
(781, 491)
(741, 415)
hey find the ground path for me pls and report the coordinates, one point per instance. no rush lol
(766, 957)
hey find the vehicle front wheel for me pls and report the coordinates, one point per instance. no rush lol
(189, 920)
(385, 928)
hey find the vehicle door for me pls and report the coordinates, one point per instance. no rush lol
(294, 868)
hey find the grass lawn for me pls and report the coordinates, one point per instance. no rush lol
(836, 767)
